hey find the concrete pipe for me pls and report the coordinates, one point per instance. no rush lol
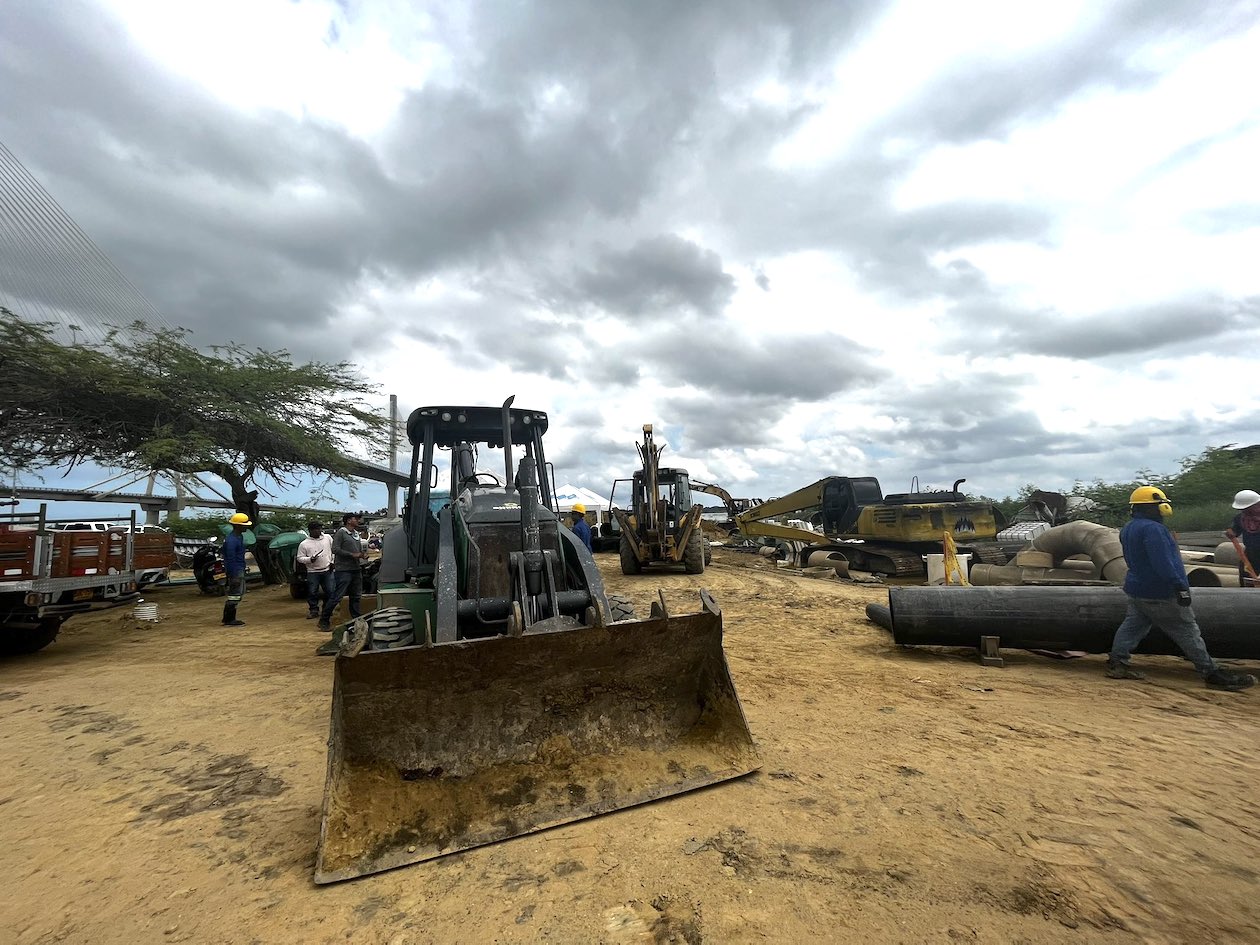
(1226, 554)
(998, 575)
(828, 559)
(1205, 575)
(1101, 543)
(1062, 618)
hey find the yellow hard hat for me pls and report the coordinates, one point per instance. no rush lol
(579, 507)
(1149, 495)
(240, 518)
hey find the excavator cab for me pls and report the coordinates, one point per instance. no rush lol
(500, 690)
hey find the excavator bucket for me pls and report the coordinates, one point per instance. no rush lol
(441, 748)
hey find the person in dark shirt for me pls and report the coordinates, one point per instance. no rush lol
(1159, 595)
(580, 528)
(348, 556)
(1246, 527)
(234, 565)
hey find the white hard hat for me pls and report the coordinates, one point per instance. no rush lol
(1246, 499)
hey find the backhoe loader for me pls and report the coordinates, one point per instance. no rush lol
(500, 690)
(662, 524)
(874, 532)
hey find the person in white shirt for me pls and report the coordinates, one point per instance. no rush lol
(317, 554)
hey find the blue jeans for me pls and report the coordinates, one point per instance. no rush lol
(1177, 622)
(349, 584)
(317, 581)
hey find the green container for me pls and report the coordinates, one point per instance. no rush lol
(282, 550)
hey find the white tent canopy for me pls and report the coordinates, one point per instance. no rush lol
(569, 495)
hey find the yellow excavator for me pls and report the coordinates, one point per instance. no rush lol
(499, 689)
(874, 532)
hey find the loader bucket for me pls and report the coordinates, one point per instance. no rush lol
(438, 749)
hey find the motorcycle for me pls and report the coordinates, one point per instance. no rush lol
(208, 569)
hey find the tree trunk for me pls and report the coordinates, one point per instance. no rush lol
(246, 500)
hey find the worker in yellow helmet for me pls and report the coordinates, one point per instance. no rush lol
(1159, 595)
(577, 519)
(234, 565)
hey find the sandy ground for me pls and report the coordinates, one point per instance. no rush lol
(162, 783)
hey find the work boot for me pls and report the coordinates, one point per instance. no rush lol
(1229, 680)
(234, 623)
(324, 625)
(312, 615)
(1122, 671)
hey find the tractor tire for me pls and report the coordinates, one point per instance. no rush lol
(693, 556)
(629, 563)
(708, 553)
(22, 640)
(620, 608)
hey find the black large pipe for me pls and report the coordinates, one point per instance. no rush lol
(1062, 618)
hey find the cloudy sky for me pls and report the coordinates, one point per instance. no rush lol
(1009, 242)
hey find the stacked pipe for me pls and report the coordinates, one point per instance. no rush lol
(1052, 557)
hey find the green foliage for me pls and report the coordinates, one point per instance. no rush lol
(146, 398)
(206, 524)
(1216, 474)
(1201, 491)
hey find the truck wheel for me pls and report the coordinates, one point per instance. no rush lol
(693, 557)
(620, 608)
(15, 642)
(629, 563)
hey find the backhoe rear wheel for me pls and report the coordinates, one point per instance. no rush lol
(693, 557)
(630, 564)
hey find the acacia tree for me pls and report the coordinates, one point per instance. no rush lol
(148, 399)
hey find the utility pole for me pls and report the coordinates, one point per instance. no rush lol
(392, 505)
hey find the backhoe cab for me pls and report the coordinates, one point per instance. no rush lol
(662, 524)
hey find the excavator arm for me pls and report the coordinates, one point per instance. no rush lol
(718, 491)
(807, 499)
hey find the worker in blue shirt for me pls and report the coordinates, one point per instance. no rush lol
(579, 526)
(1159, 595)
(234, 565)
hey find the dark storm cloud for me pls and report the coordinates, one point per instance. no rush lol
(722, 422)
(656, 276)
(790, 368)
(179, 191)
(1184, 324)
(987, 98)
(592, 458)
(191, 198)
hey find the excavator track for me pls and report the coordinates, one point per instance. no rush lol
(878, 559)
(985, 552)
